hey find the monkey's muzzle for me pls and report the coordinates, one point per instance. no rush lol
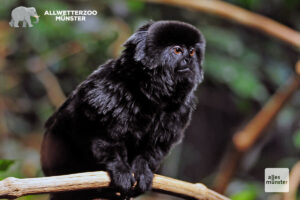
(183, 69)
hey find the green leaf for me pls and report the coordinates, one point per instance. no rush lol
(296, 139)
(5, 164)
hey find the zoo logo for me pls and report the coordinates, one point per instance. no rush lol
(23, 14)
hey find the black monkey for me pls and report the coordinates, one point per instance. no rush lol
(127, 114)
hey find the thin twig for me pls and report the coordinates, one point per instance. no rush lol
(13, 187)
(39, 66)
(54, 92)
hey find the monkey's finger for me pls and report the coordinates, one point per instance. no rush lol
(134, 185)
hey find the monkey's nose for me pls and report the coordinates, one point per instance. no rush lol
(187, 60)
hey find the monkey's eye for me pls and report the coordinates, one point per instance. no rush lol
(192, 51)
(178, 50)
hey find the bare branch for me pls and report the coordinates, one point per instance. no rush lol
(13, 187)
(243, 140)
(246, 138)
(54, 92)
(240, 15)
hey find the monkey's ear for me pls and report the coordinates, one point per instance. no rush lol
(138, 41)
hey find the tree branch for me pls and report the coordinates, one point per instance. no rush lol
(240, 15)
(14, 187)
(244, 140)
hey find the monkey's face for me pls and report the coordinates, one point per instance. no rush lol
(182, 61)
(173, 49)
(184, 57)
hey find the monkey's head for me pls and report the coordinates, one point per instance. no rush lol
(172, 50)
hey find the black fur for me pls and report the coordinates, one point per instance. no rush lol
(126, 115)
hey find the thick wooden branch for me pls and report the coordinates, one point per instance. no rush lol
(240, 15)
(244, 140)
(14, 187)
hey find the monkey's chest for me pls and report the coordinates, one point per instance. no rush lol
(160, 126)
(145, 125)
(159, 129)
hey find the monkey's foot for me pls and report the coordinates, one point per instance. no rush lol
(143, 175)
(122, 179)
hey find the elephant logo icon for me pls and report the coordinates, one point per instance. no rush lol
(23, 14)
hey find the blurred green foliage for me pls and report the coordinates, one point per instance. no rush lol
(5, 164)
(9, 168)
(249, 193)
(296, 139)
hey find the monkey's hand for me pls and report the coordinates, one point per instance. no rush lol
(143, 175)
(121, 178)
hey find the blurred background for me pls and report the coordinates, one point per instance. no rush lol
(39, 66)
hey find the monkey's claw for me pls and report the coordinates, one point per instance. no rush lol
(122, 180)
(143, 176)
